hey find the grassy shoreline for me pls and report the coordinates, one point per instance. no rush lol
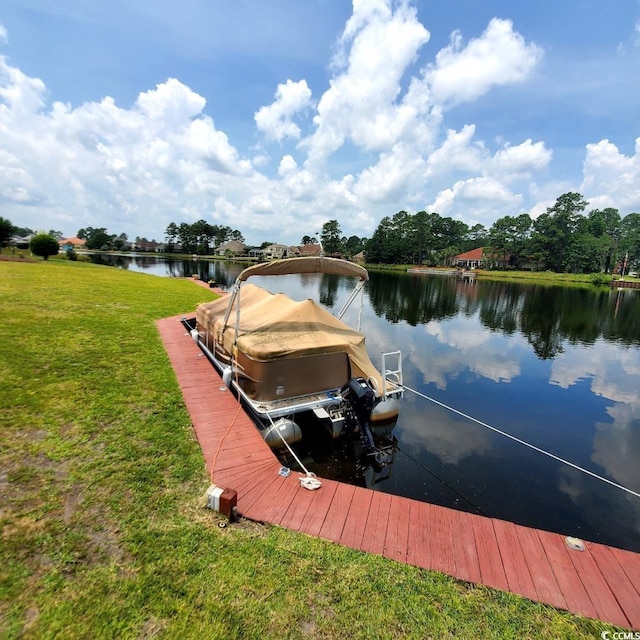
(541, 277)
(103, 530)
(533, 277)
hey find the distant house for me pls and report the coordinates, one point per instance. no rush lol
(276, 252)
(72, 243)
(469, 259)
(234, 247)
(480, 257)
(279, 251)
(312, 250)
(143, 244)
(21, 242)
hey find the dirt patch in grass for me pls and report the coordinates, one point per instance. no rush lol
(6, 258)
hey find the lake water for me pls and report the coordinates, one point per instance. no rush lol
(557, 367)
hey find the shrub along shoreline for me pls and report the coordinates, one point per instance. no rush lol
(103, 530)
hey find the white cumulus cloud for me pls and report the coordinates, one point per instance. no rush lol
(499, 56)
(276, 120)
(378, 44)
(611, 179)
(160, 160)
(482, 198)
(526, 158)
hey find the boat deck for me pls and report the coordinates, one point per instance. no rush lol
(600, 582)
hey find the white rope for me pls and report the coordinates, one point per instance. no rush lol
(309, 480)
(526, 444)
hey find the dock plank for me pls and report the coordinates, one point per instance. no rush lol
(313, 519)
(336, 517)
(624, 591)
(354, 527)
(419, 538)
(395, 545)
(604, 602)
(277, 501)
(465, 551)
(238, 479)
(441, 543)
(630, 563)
(250, 502)
(297, 510)
(540, 570)
(492, 571)
(513, 560)
(246, 484)
(573, 590)
(376, 526)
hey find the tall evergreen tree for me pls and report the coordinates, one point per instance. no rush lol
(331, 238)
(6, 231)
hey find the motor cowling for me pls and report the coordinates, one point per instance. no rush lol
(360, 399)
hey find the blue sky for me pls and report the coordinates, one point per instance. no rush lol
(275, 117)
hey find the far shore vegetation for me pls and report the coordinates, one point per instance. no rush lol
(568, 238)
(104, 532)
(540, 277)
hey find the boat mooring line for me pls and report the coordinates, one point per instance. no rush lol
(310, 480)
(523, 442)
(439, 479)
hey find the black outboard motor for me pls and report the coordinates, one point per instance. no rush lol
(360, 400)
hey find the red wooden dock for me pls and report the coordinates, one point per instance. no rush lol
(625, 284)
(600, 582)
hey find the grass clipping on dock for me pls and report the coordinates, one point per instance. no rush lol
(103, 531)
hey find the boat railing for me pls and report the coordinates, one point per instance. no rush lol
(392, 384)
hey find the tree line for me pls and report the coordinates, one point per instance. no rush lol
(199, 238)
(563, 239)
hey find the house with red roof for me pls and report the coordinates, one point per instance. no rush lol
(469, 259)
(72, 243)
(310, 249)
(480, 257)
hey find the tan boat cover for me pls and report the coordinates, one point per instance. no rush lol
(274, 326)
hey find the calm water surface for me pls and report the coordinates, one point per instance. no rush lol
(557, 367)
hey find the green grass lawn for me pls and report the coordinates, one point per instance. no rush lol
(548, 277)
(103, 530)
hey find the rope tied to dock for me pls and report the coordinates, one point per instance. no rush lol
(309, 481)
(523, 442)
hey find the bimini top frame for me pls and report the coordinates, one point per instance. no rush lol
(289, 266)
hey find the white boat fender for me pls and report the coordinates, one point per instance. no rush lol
(227, 376)
(195, 335)
(385, 411)
(280, 432)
